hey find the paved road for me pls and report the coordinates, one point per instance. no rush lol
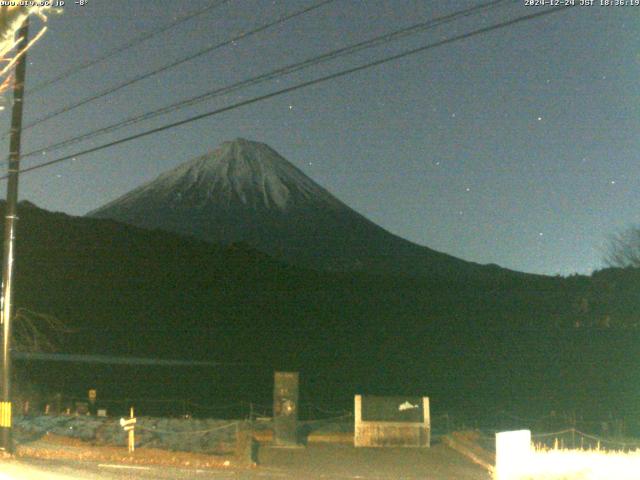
(321, 462)
(68, 470)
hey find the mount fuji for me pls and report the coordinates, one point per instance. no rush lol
(245, 192)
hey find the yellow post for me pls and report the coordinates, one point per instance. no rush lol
(132, 441)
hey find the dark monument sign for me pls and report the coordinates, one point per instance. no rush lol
(285, 408)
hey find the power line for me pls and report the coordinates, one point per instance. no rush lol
(126, 46)
(297, 87)
(118, 360)
(279, 72)
(174, 64)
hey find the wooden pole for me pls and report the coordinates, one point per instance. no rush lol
(11, 215)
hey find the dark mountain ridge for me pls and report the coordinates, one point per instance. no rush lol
(128, 291)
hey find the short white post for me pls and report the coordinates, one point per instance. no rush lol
(132, 438)
(357, 414)
(427, 420)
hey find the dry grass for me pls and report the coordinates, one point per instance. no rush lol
(562, 464)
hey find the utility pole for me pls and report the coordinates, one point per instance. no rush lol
(11, 209)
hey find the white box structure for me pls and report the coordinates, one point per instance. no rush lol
(513, 454)
(392, 421)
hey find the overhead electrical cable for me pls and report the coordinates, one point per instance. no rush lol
(299, 86)
(279, 72)
(115, 360)
(126, 46)
(173, 64)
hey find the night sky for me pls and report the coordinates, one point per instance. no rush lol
(518, 147)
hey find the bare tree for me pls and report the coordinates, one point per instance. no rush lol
(34, 331)
(11, 19)
(623, 249)
(37, 332)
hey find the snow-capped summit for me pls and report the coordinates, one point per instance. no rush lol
(250, 173)
(239, 173)
(244, 191)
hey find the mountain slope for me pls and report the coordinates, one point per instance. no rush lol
(246, 192)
